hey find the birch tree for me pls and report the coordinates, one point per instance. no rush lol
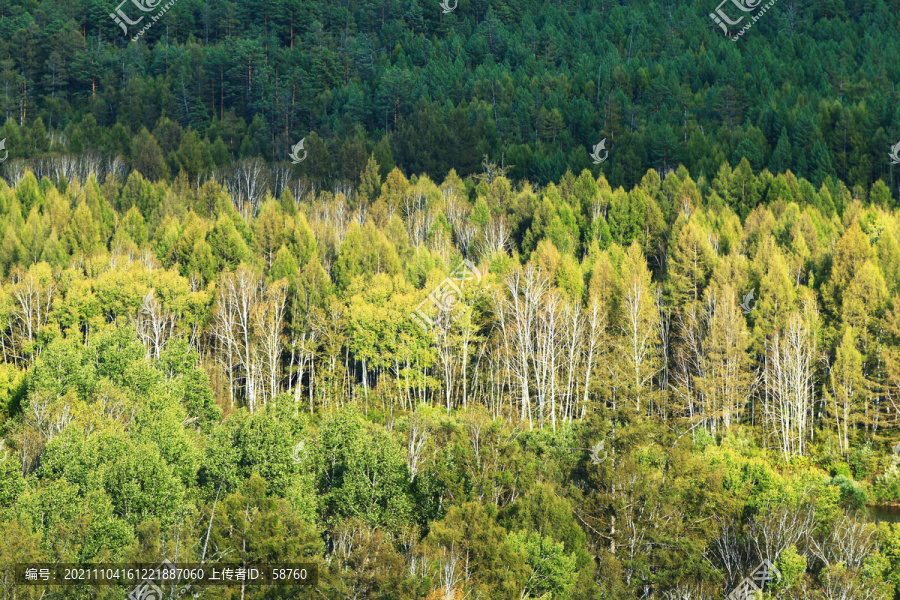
(237, 297)
(638, 323)
(33, 292)
(788, 381)
(154, 324)
(268, 324)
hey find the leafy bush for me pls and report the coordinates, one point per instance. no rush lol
(887, 487)
(862, 461)
(702, 439)
(852, 496)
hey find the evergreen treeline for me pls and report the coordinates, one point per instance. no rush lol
(597, 417)
(532, 85)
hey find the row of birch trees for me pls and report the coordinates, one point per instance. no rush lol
(539, 304)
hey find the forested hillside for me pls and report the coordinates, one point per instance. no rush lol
(812, 88)
(445, 356)
(597, 416)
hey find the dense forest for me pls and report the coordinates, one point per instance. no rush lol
(598, 415)
(446, 356)
(811, 88)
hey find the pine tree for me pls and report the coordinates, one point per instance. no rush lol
(782, 157)
(851, 252)
(82, 234)
(149, 159)
(394, 188)
(284, 266)
(638, 319)
(690, 265)
(370, 180)
(847, 388)
(820, 164)
(268, 230)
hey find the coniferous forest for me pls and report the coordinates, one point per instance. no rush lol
(505, 300)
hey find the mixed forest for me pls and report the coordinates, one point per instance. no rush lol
(662, 370)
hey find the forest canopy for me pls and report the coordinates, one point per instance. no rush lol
(446, 355)
(812, 88)
(602, 400)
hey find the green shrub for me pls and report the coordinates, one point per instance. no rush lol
(862, 461)
(887, 487)
(852, 496)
